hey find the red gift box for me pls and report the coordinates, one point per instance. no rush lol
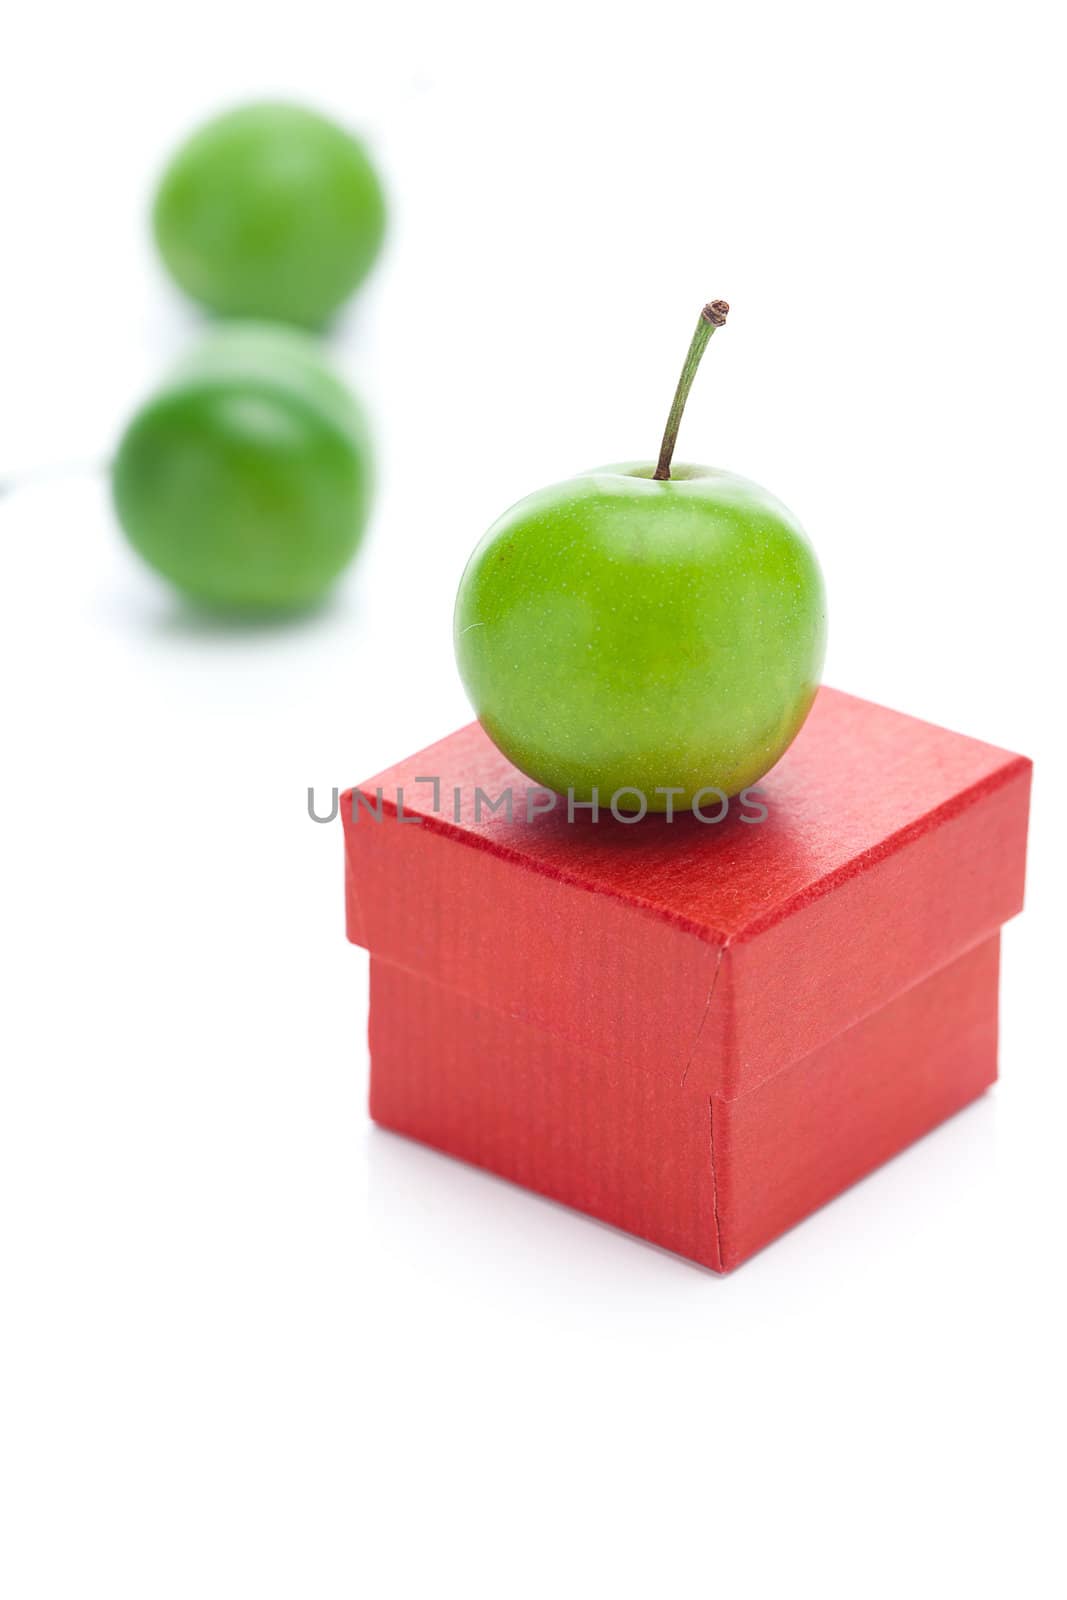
(696, 1030)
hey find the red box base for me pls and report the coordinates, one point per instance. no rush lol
(712, 1180)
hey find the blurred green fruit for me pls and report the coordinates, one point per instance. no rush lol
(246, 479)
(270, 211)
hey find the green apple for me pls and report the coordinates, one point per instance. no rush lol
(246, 480)
(644, 628)
(270, 211)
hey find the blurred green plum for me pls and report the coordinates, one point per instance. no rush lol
(270, 211)
(246, 480)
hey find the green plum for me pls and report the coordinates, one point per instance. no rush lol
(270, 211)
(643, 628)
(246, 480)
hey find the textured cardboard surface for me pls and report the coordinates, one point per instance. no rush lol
(812, 1130)
(710, 1179)
(695, 974)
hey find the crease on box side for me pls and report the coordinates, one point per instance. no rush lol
(716, 1221)
(703, 1015)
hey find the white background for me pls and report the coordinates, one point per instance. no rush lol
(252, 1347)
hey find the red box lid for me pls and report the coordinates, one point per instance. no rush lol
(719, 952)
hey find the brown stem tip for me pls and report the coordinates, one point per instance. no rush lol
(715, 312)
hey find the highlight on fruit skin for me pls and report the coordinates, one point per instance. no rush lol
(270, 211)
(246, 480)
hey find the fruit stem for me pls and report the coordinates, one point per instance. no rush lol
(713, 316)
